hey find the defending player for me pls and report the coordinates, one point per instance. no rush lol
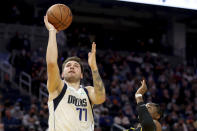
(70, 104)
(148, 113)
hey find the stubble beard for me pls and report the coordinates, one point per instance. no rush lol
(71, 79)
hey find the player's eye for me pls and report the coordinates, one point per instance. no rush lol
(76, 65)
(68, 65)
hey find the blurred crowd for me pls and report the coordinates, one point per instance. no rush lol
(20, 112)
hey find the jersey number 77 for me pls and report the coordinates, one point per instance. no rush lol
(82, 111)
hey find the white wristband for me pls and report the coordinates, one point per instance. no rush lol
(138, 95)
(51, 29)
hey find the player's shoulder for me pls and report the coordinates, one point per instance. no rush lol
(158, 125)
(89, 88)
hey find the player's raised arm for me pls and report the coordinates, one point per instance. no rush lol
(140, 92)
(97, 94)
(54, 79)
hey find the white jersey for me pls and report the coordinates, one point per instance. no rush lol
(71, 111)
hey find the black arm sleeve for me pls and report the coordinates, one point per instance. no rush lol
(145, 118)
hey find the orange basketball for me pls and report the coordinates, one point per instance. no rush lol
(60, 16)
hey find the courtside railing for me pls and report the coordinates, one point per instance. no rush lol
(25, 82)
(6, 69)
(42, 91)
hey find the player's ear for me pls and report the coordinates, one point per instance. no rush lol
(157, 116)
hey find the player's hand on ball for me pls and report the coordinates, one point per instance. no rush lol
(48, 25)
(92, 57)
(143, 88)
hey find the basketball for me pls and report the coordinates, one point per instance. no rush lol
(60, 16)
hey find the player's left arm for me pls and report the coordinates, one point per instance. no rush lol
(96, 93)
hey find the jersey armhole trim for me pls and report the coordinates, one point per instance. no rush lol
(86, 91)
(57, 100)
(87, 95)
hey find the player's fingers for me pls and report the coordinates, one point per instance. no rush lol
(44, 19)
(47, 18)
(143, 81)
(93, 47)
(94, 43)
(89, 54)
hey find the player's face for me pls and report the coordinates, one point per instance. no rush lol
(72, 71)
(149, 107)
(152, 110)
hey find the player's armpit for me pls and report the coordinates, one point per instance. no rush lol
(95, 99)
(158, 125)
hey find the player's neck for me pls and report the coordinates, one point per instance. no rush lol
(75, 85)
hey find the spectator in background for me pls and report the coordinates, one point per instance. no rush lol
(30, 119)
(1, 123)
(10, 123)
(165, 126)
(1, 127)
(15, 43)
(43, 119)
(16, 112)
(15, 13)
(180, 125)
(61, 41)
(26, 42)
(105, 121)
(122, 120)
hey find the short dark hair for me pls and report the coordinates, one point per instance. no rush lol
(159, 110)
(73, 58)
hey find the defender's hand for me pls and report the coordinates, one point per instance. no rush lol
(48, 25)
(92, 57)
(143, 88)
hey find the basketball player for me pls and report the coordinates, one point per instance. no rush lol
(70, 104)
(149, 113)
